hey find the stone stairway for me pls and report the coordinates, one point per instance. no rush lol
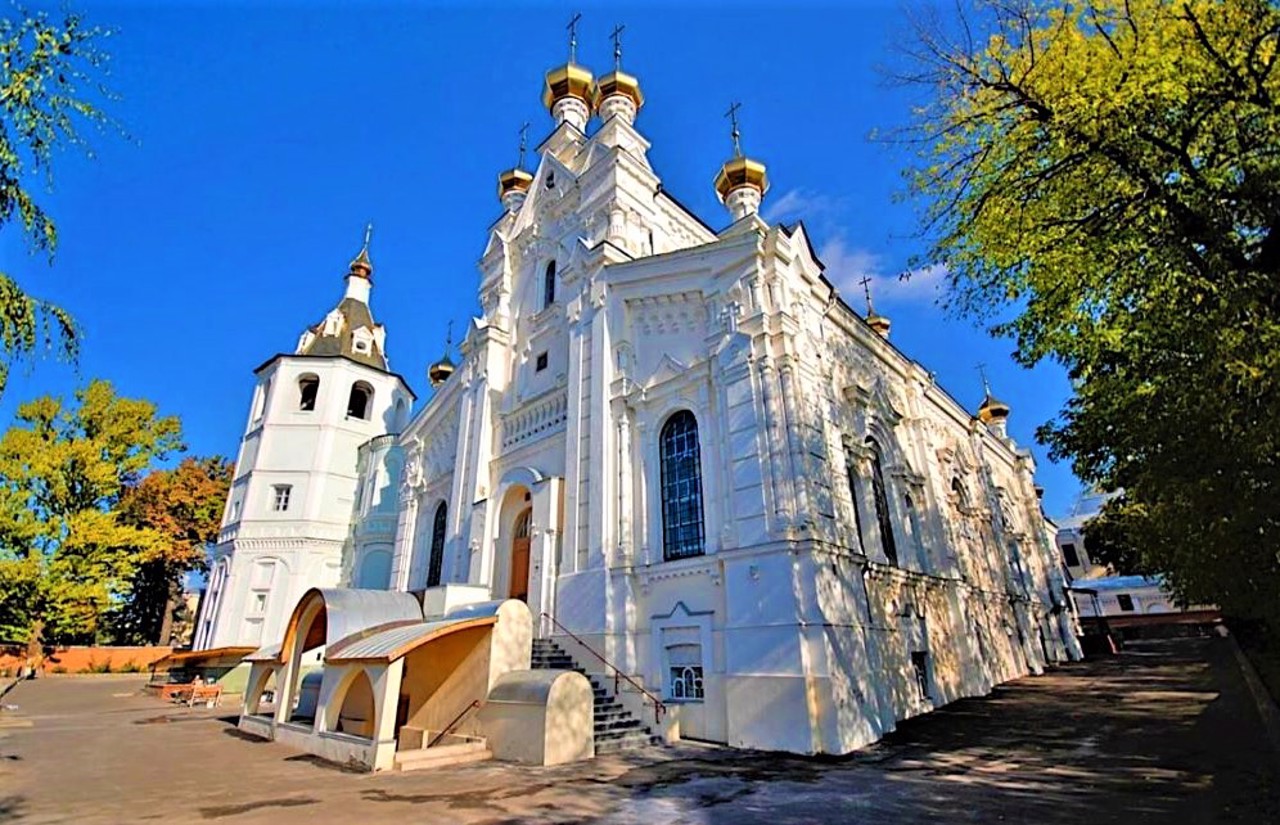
(615, 728)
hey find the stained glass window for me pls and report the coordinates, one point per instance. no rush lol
(681, 460)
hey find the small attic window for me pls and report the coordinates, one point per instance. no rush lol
(541, 363)
(362, 346)
(551, 179)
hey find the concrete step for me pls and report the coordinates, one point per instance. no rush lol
(615, 725)
(628, 742)
(442, 755)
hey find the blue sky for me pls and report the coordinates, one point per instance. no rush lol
(262, 136)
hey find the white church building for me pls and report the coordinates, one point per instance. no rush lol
(694, 462)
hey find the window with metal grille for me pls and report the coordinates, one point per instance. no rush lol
(280, 503)
(681, 464)
(882, 504)
(684, 662)
(436, 563)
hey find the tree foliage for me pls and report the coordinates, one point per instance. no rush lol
(50, 71)
(184, 505)
(1102, 181)
(66, 553)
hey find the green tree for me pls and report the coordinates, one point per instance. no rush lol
(50, 73)
(66, 555)
(184, 505)
(1102, 181)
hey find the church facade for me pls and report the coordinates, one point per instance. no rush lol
(679, 446)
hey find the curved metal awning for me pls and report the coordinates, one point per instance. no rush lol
(397, 641)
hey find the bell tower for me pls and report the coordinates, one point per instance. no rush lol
(290, 505)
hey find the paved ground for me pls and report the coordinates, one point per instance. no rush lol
(1165, 733)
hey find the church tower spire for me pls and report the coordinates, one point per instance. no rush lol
(569, 87)
(360, 272)
(741, 182)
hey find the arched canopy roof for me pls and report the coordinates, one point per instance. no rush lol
(396, 640)
(347, 612)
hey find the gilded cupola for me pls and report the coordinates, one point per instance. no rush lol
(741, 181)
(440, 371)
(992, 411)
(514, 183)
(617, 94)
(570, 89)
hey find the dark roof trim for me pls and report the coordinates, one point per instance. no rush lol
(280, 355)
(661, 191)
(813, 253)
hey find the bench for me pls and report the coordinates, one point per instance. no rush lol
(192, 695)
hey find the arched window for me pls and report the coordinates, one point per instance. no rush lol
(308, 389)
(437, 545)
(549, 285)
(851, 471)
(359, 402)
(882, 504)
(680, 458)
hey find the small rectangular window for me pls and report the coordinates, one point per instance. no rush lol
(1070, 556)
(684, 662)
(1126, 602)
(541, 363)
(280, 503)
(259, 602)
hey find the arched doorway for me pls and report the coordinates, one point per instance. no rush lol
(519, 578)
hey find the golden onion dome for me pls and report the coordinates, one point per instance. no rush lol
(569, 80)
(513, 180)
(992, 409)
(741, 171)
(618, 82)
(440, 371)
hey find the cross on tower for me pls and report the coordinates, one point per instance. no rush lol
(866, 290)
(368, 235)
(616, 36)
(448, 338)
(573, 36)
(732, 114)
(524, 143)
(982, 371)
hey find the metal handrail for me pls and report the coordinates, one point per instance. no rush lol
(475, 703)
(658, 707)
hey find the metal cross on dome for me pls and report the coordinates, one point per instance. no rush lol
(732, 114)
(524, 144)
(616, 37)
(573, 36)
(866, 290)
(982, 371)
